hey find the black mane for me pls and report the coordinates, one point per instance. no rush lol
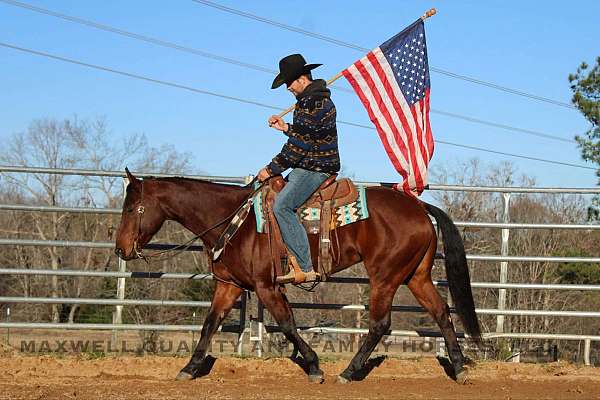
(187, 180)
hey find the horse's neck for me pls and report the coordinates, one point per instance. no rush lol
(198, 206)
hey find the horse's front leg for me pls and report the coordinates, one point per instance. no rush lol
(280, 309)
(223, 300)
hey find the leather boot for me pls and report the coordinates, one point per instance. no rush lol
(296, 275)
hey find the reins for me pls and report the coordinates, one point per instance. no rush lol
(182, 247)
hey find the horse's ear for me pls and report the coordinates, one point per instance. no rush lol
(132, 179)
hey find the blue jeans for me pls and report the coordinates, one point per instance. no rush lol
(301, 185)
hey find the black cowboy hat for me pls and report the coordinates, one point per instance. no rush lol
(291, 68)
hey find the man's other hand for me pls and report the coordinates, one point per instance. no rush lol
(275, 121)
(263, 174)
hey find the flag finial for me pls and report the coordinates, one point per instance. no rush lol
(429, 13)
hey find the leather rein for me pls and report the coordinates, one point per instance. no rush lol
(182, 247)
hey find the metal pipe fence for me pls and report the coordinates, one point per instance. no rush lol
(340, 279)
(462, 224)
(504, 259)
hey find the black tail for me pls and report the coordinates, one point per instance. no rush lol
(457, 272)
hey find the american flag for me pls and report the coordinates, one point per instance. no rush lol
(392, 82)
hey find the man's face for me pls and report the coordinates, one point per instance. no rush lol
(298, 86)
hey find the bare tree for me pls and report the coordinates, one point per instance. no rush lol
(73, 143)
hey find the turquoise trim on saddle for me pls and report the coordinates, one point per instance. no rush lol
(257, 202)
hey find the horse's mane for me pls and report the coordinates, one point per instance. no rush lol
(185, 181)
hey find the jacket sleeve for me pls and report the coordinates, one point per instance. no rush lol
(310, 119)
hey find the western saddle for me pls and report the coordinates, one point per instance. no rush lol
(331, 194)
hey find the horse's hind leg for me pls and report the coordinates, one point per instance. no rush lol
(422, 288)
(380, 307)
(223, 300)
(279, 308)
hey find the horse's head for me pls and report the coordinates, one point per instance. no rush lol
(141, 218)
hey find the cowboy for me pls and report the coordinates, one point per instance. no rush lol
(312, 153)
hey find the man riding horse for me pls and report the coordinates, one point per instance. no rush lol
(312, 153)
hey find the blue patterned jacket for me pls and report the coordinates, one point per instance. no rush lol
(312, 137)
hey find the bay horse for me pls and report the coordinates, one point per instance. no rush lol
(397, 245)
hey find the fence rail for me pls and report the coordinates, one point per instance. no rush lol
(89, 245)
(504, 259)
(464, 224)
(339, 279)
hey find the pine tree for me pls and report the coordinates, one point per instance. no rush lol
(585, 84)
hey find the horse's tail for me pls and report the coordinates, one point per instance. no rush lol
(457, 272)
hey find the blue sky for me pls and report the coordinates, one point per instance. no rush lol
(522, 45)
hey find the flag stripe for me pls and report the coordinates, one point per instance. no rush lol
(403, 110)
(385, 128)
(430, 143)
(395, 158)
(419, 145)
(390, 103)
(369, 74)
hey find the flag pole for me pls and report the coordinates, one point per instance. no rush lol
(329, 82)
(430, 13)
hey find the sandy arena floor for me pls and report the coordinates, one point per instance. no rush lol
(151, 377)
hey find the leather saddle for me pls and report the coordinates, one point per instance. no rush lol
(340, 192)
(331, 194)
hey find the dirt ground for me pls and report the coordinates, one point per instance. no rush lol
(152, 377)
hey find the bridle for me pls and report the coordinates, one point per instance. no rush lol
(182, 247)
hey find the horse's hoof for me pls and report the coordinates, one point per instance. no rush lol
(316, 378)
(461, 377)
(341, 379)
(184, 376)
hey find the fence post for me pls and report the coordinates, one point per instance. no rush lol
(256, 329)
(503, 264)
(586, 352)
(122, 265)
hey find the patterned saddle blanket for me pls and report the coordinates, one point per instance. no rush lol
(310, 213)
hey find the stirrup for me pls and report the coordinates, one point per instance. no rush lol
(296, 275)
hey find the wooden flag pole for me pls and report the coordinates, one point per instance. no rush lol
(290, 108)
(428, 14)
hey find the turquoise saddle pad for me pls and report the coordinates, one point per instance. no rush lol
(343, 215)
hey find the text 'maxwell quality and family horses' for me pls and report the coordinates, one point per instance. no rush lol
(397, 245)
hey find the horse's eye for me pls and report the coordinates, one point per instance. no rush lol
(130, 210)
